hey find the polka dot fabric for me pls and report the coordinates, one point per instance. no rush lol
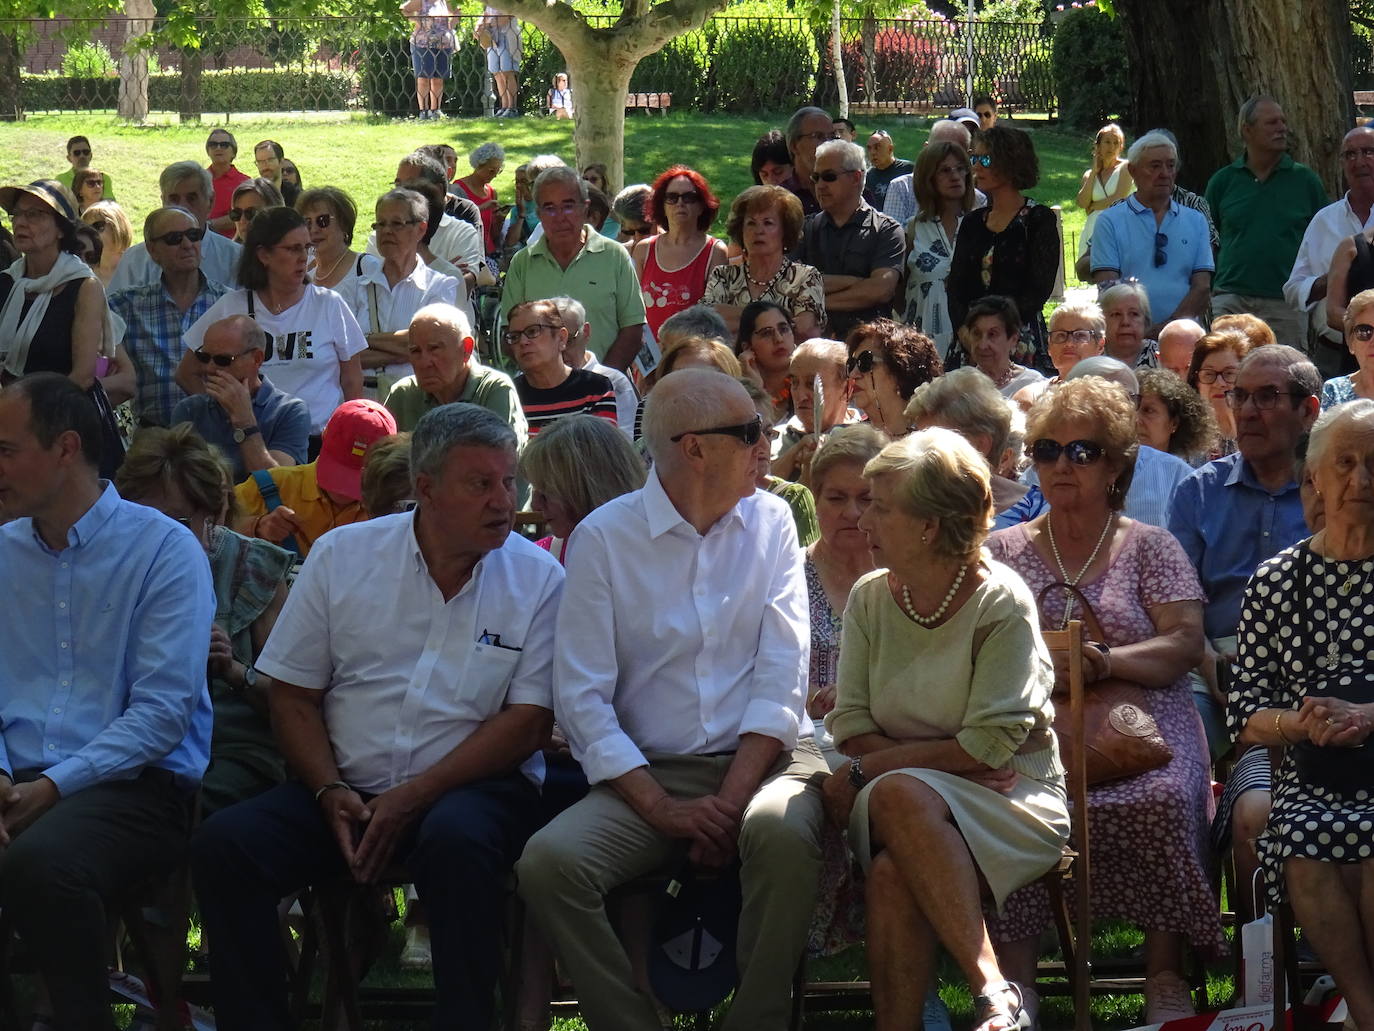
(1299, 604)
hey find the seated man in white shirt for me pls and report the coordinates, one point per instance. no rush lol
(413, 692)
(579, 356)
(680, 681)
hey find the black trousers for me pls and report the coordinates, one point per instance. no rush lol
(59, 878)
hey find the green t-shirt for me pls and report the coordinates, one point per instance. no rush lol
(65, 178)
(1261, 224)
(489, 388)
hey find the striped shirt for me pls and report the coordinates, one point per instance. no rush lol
(153, 337)
(582, 392)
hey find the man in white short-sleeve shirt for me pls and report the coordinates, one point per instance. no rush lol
(680, 681)
(413, 693)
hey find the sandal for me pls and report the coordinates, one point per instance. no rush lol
(991, 1011)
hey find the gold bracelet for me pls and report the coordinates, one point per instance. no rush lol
(1278, 726)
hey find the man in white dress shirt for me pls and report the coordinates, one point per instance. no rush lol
(412, 668)
(679, 682)
(184, 184)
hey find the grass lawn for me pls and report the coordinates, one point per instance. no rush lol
(359, 155)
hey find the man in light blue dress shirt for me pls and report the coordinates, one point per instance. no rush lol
(105, 714)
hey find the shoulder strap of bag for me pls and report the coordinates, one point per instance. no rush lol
(252, 307)
(374, 315)
(1089, 616)
(271, 497)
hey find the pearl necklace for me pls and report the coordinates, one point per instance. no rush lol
(332, 269)
(1059, 561)
(1013, 370)
(934, 617)
(786, 263)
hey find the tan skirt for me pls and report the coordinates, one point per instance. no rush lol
(1013, 838)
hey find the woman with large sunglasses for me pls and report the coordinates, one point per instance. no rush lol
(887, 362)
(250, 197)
(313, 339)
(1359, 338)
(1010, 247)
(1151, 865)
(330, 216)
(673, 265)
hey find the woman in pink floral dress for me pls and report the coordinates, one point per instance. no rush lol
(1149, 833)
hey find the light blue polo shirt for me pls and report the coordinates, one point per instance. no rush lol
(1124, 240)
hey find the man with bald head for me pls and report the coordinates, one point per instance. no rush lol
(255, 425)
(900, 201)
(680, 682)
(158, 313)
(1176, 342)
(1328, 242)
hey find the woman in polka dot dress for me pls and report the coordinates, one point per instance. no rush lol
(1305, 683)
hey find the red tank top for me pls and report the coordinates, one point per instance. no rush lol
(667, 292)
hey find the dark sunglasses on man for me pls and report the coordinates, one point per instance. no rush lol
(222, 360)
(174, 238)
(748, 432)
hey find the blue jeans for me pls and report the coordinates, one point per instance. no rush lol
(460, 853)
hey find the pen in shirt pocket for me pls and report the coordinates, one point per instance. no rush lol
(494, 641)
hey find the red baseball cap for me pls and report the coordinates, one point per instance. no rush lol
(351, 430)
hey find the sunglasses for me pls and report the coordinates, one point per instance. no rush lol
(640, 230)
(242, 213)
(81, 152)
(862, 363)
(174, 238)
(1080, 452)
(219, 144)
(222, 360)
(1161, 256)
(748, 432)
(1362, 332)
(690, 197)
(981, 160)
(826, 177)
(323, 221)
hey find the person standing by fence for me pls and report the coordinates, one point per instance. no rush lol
(431, 52)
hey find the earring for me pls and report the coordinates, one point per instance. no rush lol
(923, 538)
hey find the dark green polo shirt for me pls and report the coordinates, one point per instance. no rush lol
(1261, 224)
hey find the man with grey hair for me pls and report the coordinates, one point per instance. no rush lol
(700, 320)
(156, 314)
(858, 250)
(572, 259)
(1262, 203)
(1150, 237)
(457, 240)
(184, 184)
(1176, 342)
(683, 641)
(900, 202)
(807, 129)
(413, 693)
(576, 355)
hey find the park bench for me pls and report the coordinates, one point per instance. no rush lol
(660, 102)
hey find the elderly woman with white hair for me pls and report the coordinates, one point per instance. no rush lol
(954, 793)
(1126, 308)
(1078, 330)
(965, 401)
(487, 161)
(1303, 685)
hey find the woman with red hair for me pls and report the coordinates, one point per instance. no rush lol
(673, 265)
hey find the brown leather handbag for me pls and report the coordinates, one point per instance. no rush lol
(1120, 735)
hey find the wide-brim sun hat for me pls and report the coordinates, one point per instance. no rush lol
(59, 200)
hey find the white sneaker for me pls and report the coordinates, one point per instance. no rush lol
(415, 956)
(1167, 998)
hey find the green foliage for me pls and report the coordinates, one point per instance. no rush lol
(1090, 68)
(760, 66)
(228, 91)
(905, 64)
(680, 68)
(88, 60)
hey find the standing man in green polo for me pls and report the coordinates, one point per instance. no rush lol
(1261, 204)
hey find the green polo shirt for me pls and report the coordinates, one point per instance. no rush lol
(489, 388)
(1261, 224)
(601, 276)
(65, 178)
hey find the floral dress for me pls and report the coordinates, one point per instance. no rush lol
(1149, 833)
(1338, 391)
(929, 251)
(797, 288)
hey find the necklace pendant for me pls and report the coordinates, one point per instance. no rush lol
(1349, 584)
(1331, 659)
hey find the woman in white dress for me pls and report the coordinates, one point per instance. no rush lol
(944, 191)
(943, 702)
(1106, 182)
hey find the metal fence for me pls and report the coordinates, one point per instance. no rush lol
(731, 64)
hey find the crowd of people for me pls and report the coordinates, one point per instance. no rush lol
(808, 495)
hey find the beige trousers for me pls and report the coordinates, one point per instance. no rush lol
(601, 843)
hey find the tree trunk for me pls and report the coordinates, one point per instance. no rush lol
(133, 61)
(837, 58)
(1196, 88)
(870, 48)
(11, 95)
(602, 72)
(192, 64)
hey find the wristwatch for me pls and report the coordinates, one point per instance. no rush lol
(250, 678)
(240, 435)
(856, 772)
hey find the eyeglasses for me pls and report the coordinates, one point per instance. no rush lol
(1212, 375)
(981, 160)
(235, 214)
(1362, 332)
(323, 221)
(100, 226)
(81, 152)
(1357, 152)
(690, 197)
(1264, 398)
(819, 137)
(1078, 336)
(568, 207)
(218, 144)
(640, 230)
(396, 225)
(513, 336)
(1161, 256)
(174, 238)
(30, 214)
(862, 363)
(1080, 452)
(222, 360)
(773, 332)
(827, 177)
(748, 432)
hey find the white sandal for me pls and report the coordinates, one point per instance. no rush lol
(991, 1012)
